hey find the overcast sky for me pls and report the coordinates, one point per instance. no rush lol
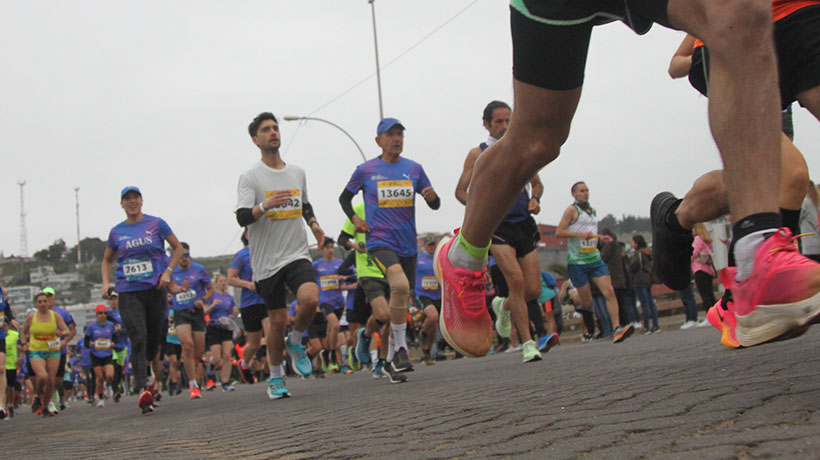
(158, 94)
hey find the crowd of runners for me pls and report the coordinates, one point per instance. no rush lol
(302, 317)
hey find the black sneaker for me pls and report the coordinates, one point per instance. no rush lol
(401, 362)
(671, 248)
(393, 375)
(117, 397)
(36, 404)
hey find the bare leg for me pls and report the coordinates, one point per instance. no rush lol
(604, 284)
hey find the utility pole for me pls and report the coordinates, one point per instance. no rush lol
(23, 235)
(378, 70)
(77, 201)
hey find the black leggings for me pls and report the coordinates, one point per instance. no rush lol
(703, 281)
(536, 318)
(142, 315)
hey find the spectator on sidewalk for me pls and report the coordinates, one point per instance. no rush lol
(641, 270)
(704, 269)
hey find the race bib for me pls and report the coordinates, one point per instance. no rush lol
(2, 319)
(395, 193)
(102, 344)
(54, 344)
(137, 269)
(290, 210)
(590, 245)
(184, 298)
(329, 282)
(429, 283)
(172, 330)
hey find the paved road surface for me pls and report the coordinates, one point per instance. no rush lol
(678, 394)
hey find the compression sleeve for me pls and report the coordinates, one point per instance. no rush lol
(244, 216)
(435, 204)
(307, 212)
(343, 238)
(346, 200)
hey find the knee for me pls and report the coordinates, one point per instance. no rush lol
(795, 177)
(533, 290)
(432, 316)
(727, 38)
(399, 287)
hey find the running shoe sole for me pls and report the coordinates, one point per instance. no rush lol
(445, 333)
(771, 322)
(625, 334)
(675, 272)
(552, 341)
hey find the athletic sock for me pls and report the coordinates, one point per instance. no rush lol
(332, 356)
(326, 356)
(465, 255)
(749, 233)
(295, 337)
(672, 219)
(277, 372)
(374, 355)
(399, 334)
(791, 220)
(391, 349)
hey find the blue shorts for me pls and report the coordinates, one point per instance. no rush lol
(44, 355)
(580, 274)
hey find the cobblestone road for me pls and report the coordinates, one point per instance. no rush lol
(678, 394)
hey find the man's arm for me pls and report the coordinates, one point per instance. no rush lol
(682, 59)
(534, 206)
(570, 215)
(466, 175)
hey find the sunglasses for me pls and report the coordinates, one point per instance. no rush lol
(101, 313)
(187, 254)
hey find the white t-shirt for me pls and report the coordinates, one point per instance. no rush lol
(279, 237)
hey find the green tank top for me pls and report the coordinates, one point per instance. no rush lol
(582, 252)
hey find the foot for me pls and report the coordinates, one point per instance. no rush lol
(100, 403)
(228, 387)
(393, 375)
(547, 342)
(530, 352)
(346, 370)
(362, 347)
(353, 361)
(299, 357)
(276, 388)
(464, 321)
(622, 333)
(689, 324)
(401, 362)
(671, 248)
(195, 393)
(724, 321)
(503, 325)
(781, 298)
(427, 359)
(378, 370)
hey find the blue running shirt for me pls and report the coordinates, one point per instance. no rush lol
(426, 282)
(101, 338)
(226, 304)
(242, 262)
(330, 291)
(198, 279)
(141, 257)
(389, 196)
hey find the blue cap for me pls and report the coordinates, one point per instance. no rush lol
(130, 188)
(386, 124)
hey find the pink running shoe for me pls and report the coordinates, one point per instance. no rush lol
(781, 298)
(465, 322)
(145, 400)
(724, 321)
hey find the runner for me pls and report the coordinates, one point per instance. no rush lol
(278, 246)
(143, 272)
(579, 225)
(331, 301)
(173, 353)
(120, 345)
(429, 294)
(219, 335)
(191, 286)
(69, 321)
(6, 318)
(12, 352)
(45, 332)
(389, 184)
(254, 315)
(99, 338)
(513, 244)
(744, 120)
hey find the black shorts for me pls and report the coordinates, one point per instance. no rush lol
(361, 308)
(173, 349)
(11, 377)
(215, 335)
(99, 362)
(61, 366)
(327, 309)
(252, 317)
(275, 288)
(797, 42)
(425, 301)
(521, 236)
(385, 258)
(551, 37)
(317, 329)
(195, 317)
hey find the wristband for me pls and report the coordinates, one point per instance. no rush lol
(262, 208)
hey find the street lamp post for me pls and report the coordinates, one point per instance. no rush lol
(378, 70)
(297, 118)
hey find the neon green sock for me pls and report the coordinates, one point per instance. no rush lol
(472, 251)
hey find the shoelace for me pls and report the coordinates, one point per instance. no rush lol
(789, 244)
(473, 286)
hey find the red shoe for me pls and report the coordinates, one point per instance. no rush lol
(781, 298)
(465, 322)
(724, 321)
(195, 393)
(146, 400)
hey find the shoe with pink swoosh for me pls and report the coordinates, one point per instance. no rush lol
(781, 298)
(724, 321)
(465, 322)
